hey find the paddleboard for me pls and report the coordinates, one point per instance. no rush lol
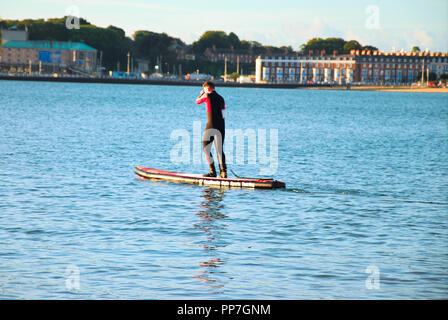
(254, 183)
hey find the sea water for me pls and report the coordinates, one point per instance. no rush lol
(364, 214)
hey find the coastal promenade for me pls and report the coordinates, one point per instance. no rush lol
(391, 88)
(160, 82)
(171, 82)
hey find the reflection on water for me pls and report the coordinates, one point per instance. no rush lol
(209, 214)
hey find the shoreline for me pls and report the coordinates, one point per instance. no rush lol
(388, 89)
(193, 83)
(227, 84)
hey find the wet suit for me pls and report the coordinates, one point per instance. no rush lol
(215, 106)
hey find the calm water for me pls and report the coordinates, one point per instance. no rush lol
(367, 190)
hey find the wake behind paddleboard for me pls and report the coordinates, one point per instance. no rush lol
(255, 183)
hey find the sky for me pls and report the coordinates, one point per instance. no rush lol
(385, 24)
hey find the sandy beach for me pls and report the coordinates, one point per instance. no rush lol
(438, 90)
(387, 88)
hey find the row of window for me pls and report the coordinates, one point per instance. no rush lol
(308, 58)
(367, 59)
(309, 64)
(245, 60)
(393, 65)
(349, 65)
(409, 59)
(297, 70)
(377, 71)
(242, 56)
(306, 77)
(27, 55)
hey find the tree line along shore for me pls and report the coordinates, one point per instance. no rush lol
(165, 51)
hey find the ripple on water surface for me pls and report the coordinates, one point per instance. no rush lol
(366, 176)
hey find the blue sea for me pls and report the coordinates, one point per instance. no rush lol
(364, 214)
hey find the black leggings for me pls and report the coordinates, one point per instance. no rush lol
(214, 135)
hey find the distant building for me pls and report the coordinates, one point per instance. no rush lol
(185, 53)
(14, 34)
(142, 65)
(362, 66)
(305, 69)
(215, 55)
(49, 55)
(438, 64)
(398, 67)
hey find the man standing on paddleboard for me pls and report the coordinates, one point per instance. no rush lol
(215, 129)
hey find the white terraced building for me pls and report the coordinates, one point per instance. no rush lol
(305, 69)
(363, 67)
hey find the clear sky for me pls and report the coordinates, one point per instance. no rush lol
(381, 23)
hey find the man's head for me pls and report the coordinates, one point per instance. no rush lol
(208, 86)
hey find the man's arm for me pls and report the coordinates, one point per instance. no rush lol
(202, 97)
